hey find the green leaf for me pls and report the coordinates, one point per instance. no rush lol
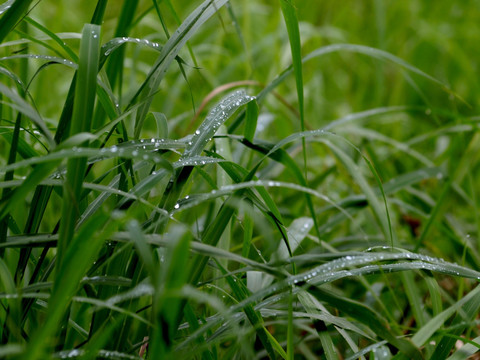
(251, 120)
(168, 54)
(81, 122)
(16, 10)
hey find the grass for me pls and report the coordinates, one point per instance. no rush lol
(239, 179)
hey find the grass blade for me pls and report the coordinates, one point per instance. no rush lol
(81, 122)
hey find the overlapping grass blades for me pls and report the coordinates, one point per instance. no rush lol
(265, 232)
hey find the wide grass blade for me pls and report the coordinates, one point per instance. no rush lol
(81, 122)
(12, 16)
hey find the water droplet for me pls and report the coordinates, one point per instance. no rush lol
(197, 132)
(177, 206)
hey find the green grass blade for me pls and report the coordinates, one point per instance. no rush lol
(251, 120)
(466, 314)
(466, 350)
(168, 54)
(241, 293)
(54, 37)
(290, 16)
(366, 188)
(76, 261)
(369, 317)
(290, 328)
(26, 109)
(326, 340)
(81, 122)
(433, 325)
(12, 16)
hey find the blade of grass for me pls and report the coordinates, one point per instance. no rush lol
(54, 37)
(240, 292)
(12, 17)
(290, 16)
(467, 313)
(77, 259)
(81, 122)
(168, 54)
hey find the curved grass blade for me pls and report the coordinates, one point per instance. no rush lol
(168, 54)
(200, 139)
(26, 109)
(366, 188)
(12, 16)
(54, 37)
(368, 263)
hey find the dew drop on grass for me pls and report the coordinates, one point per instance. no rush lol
(177, 206)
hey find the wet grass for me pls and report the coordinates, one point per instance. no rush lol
(239, 180)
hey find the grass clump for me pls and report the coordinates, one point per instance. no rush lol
(229, 180)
